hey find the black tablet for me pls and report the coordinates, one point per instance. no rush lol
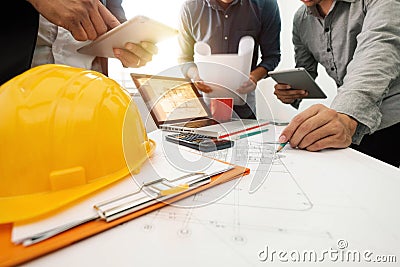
(298, 78)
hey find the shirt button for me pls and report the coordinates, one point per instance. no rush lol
(332, 69)
(226, 37)
(326, 29)
(226, 16)
(328, 50)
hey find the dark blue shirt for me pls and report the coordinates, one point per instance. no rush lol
(206, 21)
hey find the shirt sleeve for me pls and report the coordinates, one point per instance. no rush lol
(303, 56)
(269, 39)
(185, 40)
(115, 7)
(375, 66)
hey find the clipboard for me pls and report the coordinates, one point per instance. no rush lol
(12, 254)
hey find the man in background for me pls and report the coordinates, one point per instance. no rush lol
(221, 24)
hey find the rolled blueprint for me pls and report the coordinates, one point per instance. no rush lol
(225, 72)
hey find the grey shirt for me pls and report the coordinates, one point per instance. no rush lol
(358, 43)
(207, 21)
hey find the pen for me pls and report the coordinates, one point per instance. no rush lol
(281, 146)
(250, 134)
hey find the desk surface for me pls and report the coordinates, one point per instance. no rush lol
(304, 203)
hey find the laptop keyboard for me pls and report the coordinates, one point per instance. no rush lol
(201, 123)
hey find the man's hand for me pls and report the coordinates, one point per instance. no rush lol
(136, 55)
(319, 127)
(248, 86)
(85, 19)
(193, 74)
(287, 95)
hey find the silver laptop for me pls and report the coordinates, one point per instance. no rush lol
(175, 105)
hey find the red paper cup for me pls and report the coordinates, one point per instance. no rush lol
(221, 109)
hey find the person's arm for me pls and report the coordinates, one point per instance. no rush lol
(375, 65)
(303, 58)
(269, 39)
(269, 42)
(355, 111)
(85, 19)
(185, 40)
(186, 44)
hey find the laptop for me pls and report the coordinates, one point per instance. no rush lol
(176, 106)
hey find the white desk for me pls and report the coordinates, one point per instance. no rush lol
(308, 202)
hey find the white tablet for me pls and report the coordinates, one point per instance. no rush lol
(135, 30)
(298, 78)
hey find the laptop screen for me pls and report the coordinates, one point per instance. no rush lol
(170, 99)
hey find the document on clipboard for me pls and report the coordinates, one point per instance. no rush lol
(124, 201)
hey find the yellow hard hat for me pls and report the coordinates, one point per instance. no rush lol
(64, 133)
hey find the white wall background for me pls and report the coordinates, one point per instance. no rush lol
(268, 107)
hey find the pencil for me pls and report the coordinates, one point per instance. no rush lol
(281, 146)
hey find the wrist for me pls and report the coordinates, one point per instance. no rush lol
(253, 79)
(349, 122)
(192, 73)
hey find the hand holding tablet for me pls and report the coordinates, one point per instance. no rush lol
(136, 30)
(298, 79)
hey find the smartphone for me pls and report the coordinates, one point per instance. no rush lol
(298, 78)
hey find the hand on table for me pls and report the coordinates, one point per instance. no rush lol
(319, 127)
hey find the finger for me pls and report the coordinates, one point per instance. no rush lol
(88, 27)
(282, 86)
(150, 47)
(138, 51)
(292, 93)
(203, 87)
(320, 132)
(309, 131)
(129, 59)
(286, 100)
(77, 31)
(329, 141)
(293, 127)
(107, 17)
(332, 135)
(96, 19)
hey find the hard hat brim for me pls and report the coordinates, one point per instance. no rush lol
(27, 207)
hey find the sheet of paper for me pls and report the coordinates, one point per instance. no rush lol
(225, 72)
(161, 165)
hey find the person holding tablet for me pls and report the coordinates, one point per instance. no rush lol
(57, 45)
(358, 44)
(220, 24)
(86, 19)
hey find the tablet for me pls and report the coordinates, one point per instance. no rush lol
(298, 78)
(135, 30)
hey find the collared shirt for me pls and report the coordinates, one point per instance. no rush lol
(206, 21)
(57, 45)
(358, 43)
